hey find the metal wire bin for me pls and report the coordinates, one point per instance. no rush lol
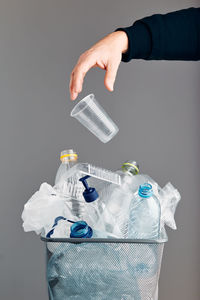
(103, 269)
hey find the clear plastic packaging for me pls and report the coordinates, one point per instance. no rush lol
(42, 208)
(70, 187)
(169, 198)
(115, 213)
(91, 115)
(96, 172)
(116, 200)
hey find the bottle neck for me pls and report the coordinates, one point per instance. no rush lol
(145, 190)
(69, 164)
(69, 158)
(130, 168)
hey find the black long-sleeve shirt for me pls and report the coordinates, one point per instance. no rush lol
(174, 36)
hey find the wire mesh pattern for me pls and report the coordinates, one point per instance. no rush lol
(103, 271)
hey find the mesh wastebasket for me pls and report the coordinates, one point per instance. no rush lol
(103, 269)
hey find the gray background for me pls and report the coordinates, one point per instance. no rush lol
(155, 104)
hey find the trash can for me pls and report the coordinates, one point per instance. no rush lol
(103, 269)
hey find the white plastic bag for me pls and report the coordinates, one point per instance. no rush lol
(42, 208)
(169, 198)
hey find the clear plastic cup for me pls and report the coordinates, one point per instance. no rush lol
(91, 114)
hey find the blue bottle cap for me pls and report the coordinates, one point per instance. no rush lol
(145, 190)
(90, 194)
(81, 229)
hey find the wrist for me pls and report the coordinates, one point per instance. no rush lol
(122, 39)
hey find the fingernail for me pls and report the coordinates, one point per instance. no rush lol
(74, 96)
(110, 85)
(111, 88)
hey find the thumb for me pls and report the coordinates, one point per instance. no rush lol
(111, 72)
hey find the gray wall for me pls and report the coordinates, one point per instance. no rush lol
(155, 104)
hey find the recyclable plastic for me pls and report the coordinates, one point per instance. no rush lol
(104, 231)
(42, 208)
(117, 200)
(74, 195)
(71, 186)
(68, 159)
(145, 213)
(93, 171)
(93, 206)
(92, 115)
(61, 228)
(169, 199)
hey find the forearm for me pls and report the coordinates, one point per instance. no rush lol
(174, 36)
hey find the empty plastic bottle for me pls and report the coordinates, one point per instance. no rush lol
(92, 206)
(145, 213)
(68, 159)
(70, 188)
(117, 200)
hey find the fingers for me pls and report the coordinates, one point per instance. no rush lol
(111, 72)
(105, 54)
(78, 74)
(73, 94)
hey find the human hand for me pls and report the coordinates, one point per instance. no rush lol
(105, 54)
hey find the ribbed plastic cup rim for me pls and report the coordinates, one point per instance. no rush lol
(87, 100)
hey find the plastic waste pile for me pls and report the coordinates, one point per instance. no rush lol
(91, 202)
(122, 204)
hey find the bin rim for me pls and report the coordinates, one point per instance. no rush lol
(102, 240)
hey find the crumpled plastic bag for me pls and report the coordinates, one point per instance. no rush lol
(42, 208)
(169, 199)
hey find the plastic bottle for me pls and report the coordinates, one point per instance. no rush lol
(70, 188)
(117, 200)
(92, 206)
(145, 213)
(130, 167)
(68, 159)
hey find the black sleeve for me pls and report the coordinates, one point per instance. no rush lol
(174, 36)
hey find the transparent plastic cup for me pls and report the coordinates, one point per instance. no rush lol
(90, 113)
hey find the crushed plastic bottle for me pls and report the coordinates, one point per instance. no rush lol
(117, 200)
